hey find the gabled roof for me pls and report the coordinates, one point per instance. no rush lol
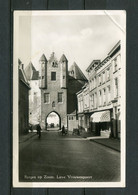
(22, 78)
(63, 58)
(43, 58)
(30, 71)
(22, 75)
(76, 72)
(35, 75)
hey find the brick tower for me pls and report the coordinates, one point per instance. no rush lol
(53, 84)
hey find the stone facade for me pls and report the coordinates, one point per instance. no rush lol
(99, 100)
(53, 81)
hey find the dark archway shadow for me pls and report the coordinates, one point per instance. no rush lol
(53, 121)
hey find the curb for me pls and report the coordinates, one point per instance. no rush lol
(27, 139)
(106, 145)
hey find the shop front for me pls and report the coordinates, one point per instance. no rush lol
(100, 123)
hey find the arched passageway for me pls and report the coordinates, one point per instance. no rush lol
(53, 121)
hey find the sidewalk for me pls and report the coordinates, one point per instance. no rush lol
(108, 142)
(24, 138)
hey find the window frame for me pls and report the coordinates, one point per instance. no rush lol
(60, 102)
(53, 76)
(46, 102)
(108, 74)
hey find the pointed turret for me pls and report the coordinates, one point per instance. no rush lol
(64, 70)
(76, 72)
(30, 71)
(43, 72)
(43, 58)
(63, 58)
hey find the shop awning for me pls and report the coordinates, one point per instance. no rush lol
(103, 116)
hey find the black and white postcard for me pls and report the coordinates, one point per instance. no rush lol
(69, 98)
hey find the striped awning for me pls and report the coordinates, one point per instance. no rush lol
(103, 116)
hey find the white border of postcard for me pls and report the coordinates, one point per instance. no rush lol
(15, 169)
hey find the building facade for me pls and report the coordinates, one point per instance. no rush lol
(53, 85)
(23, 101)
(54, 88)
(99, 99)
(32, 76)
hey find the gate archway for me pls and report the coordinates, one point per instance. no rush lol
(53, 121)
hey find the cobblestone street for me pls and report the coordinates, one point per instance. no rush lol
(67, 159)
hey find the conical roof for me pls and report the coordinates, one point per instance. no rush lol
(43, 58)
(76, 72)
(29, 71)
(63, 58)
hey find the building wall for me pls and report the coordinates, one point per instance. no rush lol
(102, 92)
(74, 86)
(116, 93)
(53, 88)
(23, 108)
(34, 102)
(72, 122)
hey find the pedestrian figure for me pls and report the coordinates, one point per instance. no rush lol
(38, 128)
(63, 130)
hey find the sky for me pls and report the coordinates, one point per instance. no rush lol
(82, 38)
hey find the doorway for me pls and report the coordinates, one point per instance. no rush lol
(53, 121)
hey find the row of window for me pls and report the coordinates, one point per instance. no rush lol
(47, 97)
(104, 96)
(53, 76)
(105, 76)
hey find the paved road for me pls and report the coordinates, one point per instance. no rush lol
(66, 159)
